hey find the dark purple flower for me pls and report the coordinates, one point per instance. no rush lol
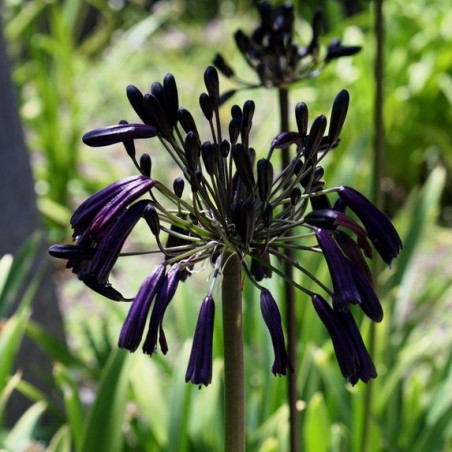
(272, 318)
(337, 50)
(109, 212)
(344, 286)
(102, 288)
(378, 226)
(353, 252)
(261, 268)
(199, 369)
(351, 353)
(108, 202)
(271, 52)
(132, 330)
(164, 297)
(349, 284)
(108, 250)
(330, 219)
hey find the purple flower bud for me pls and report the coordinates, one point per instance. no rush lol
(338, 114)
(379, 228)
(156, 111)
(225, 147)
(136, 100)
(192, 148)
(301, 116)
(205, 102)
(69, 252)
(132, 330)
(186, 120)
(146, 164)
(243, 164)
(178, 186)
(286, 139)
(243, 42)
(212, 84)
(152, 219)
(264, 178)
(222, 66)
(247, 221)
(267, 215)
(236, 112)
(315, 136)
(351, 353)
(272, 318)
(171, 98)
(118, 133)
(199, 371)
(209, 153)
(235, 126)
(337, 50)
(247, 119)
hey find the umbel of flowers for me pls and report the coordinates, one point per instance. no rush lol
(228, 202)
(272, 53)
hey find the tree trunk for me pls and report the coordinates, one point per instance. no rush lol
(19, 218)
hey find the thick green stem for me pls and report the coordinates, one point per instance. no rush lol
(234, 378)
(378, 171)
(289, 291)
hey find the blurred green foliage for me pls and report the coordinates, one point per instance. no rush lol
(73, 59)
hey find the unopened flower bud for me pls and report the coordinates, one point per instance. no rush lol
(301, 116)
(152, 219)
(338, 114)
(192, 150)
(178, 186)
(264, 178)
(205, 103)
(186, 121)
(315, 136)
(146, 164)
(222, 66)
(212, 84)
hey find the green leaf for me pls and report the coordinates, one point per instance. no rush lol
(103, 427)
(22, 432)
(10, 339)
(420, 212)
(17, 273)
(53, 347)
(5, 394)
(72, 403)
(61, 441)
(317, 426)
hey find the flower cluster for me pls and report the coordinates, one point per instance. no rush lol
(273, 55)
(235, 205)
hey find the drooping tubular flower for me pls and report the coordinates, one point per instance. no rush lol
(272, 53)
(234, 204)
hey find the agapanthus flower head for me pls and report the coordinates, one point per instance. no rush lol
(229, 200)
(272, 53)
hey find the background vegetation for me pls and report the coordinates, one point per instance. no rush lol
(73, 59)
